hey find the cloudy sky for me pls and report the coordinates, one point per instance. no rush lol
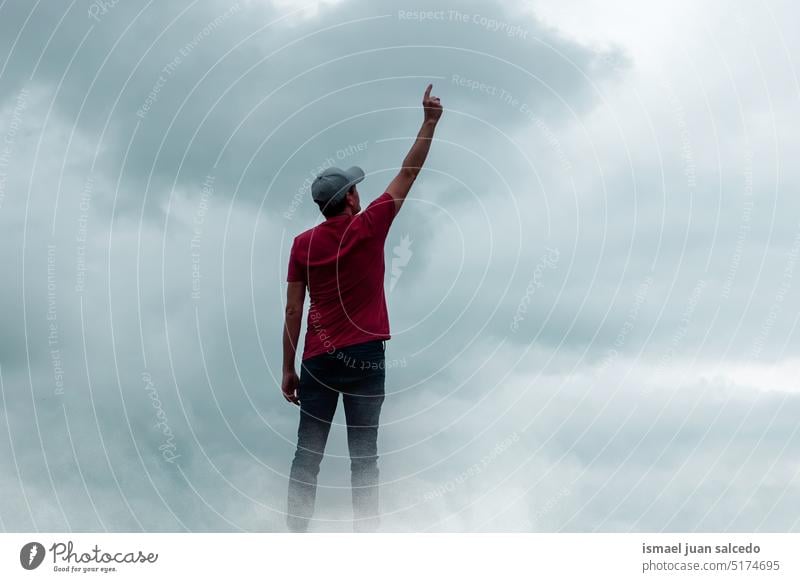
(593, 301)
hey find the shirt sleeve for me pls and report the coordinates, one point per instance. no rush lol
(296, 272)
(380, 214)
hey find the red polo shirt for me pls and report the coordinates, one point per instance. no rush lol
(341, 262)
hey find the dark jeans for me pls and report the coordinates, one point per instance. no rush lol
(358, 373)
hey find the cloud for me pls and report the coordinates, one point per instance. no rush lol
(593, 327)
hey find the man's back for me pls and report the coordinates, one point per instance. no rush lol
(341, 262)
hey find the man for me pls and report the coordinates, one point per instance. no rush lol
(340, 262)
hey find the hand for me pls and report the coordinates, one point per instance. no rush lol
(289, 387)
(432, 106)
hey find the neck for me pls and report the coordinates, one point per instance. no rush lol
(346, 212)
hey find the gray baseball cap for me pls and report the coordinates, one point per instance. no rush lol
(332, 184)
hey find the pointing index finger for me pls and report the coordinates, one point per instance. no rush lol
(428, 91)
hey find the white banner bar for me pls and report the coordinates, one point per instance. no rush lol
(368, 557)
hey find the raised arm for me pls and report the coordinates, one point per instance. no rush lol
(412, 164)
